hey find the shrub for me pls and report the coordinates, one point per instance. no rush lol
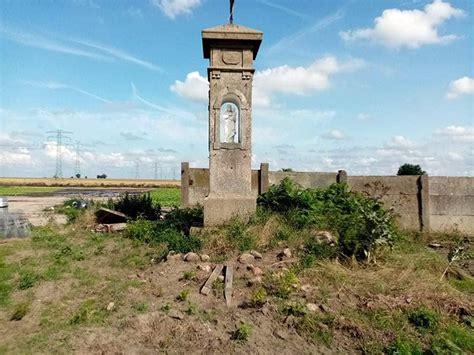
(137, 206)
(404, 347)
(281, 285)
(259, 297)
(314, 250)
(172, 231)
(361, 222)
(423, 319)
(242, 333)
(27, 280)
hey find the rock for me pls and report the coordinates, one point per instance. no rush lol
(256, 254)
(325, 308)
(280, 334)
(286, 253)
(172, 256)
(325, 237)
(205, 267)
(435, 245)
(174, 313)
(257, 271)
(306, 288)
(312, 307)
(205, 257)
(221, 277)
(192, 257)
(246, 258)
(254, 281)
(110, 306)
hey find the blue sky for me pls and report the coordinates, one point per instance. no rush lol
(359, 85)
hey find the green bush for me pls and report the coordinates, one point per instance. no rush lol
(314, 250)
(170, 232)
(360, 222)
(27, 280)
(137, 206)
(242, 333)
(423, 319)
(404, 347)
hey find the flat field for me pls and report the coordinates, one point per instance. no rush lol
(41, 182)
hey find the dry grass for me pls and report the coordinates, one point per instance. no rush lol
(88, 182)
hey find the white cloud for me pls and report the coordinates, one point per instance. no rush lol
(301, 80)
(334, 134)
(457, 133)
(173, 8)
(408, 28)
(283, 79)
(53, 85)
(462, 86)
(195, 87)
(364, 117)
(400, 142)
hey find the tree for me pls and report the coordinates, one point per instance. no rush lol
(410, 169)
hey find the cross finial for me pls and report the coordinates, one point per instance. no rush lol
(231, 17)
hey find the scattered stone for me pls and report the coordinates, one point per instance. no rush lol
(312, 307)
(205, 257)
(290, 320)
(172, 256)
(256, 254)
(246, 258)
(324, 308)
(257, 271)
(280, 334)
(174, 313)
(192, 257)
(306, 288)
(435, 245)
(221, 277)
(110, 306)
(286, 253)
(254, 281)
(205, 267)
(325, 237)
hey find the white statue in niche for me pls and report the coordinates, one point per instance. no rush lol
(230, 123)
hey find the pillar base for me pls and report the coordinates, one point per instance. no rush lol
(218, 210)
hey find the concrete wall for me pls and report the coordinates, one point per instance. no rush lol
(305, 179)
(452, 203)
(440, 204)
(398, 192)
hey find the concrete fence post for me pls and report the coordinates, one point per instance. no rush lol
(263, 178)
(424, 202)
(184, 184)
(341, 177)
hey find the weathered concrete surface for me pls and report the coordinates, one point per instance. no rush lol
(221, 210)
(231, 50)
(398, 192)
(305, 179)
(452, 204)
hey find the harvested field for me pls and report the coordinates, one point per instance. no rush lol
(88, 182)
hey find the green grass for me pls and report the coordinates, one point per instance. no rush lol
(166, 196)
(25, 190)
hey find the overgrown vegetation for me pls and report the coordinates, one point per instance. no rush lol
(136, 206)
(172, 232)
(360, 223)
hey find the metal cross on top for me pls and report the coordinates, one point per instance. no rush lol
(231, 17)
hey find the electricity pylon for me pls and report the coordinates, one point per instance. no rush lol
(62, 139)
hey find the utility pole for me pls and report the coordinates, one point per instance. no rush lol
(77, 167)
(60, 136)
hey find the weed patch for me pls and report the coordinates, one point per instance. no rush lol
(19, 311)
(242, 333)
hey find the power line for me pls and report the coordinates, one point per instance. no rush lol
(60, 136)
(156, 171)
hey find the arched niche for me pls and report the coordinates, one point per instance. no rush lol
(229, 122)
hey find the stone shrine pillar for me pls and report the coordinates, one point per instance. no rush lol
(231, 50)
